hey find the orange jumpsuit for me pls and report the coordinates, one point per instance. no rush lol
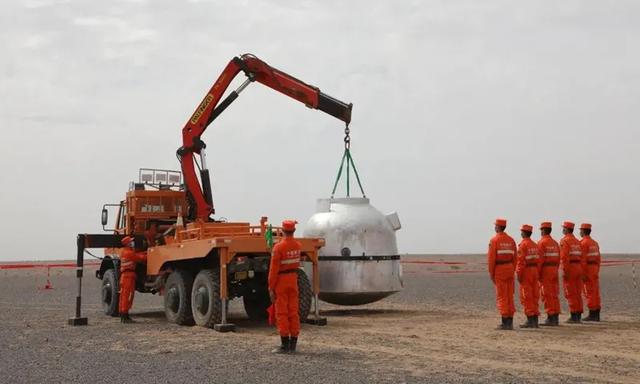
(573, 266)
(591, 250)
(128, 260)
(150, 234)
(550, 263)
(527, 268)
(501, 259)
(283, 280)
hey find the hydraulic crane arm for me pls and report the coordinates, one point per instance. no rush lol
(200, 196)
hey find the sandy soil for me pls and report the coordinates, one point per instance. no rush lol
(440, 329)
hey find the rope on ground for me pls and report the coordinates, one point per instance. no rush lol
(607, 263)
(45, 265)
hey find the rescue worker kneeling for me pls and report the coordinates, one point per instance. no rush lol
(128, 260)
(527, 268)
(283, 287)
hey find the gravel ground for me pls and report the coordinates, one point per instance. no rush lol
(438, 330)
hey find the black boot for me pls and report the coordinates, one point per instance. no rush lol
(292, 344)
(504, 325)
(510, 323)
(284, 345)
(125, 319)
(575, 318)
(589, 317)
(535, 322)
(548, 322)
(556, 320)
(594, 315)
(529, 323)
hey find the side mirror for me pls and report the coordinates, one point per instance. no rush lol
(105, 216)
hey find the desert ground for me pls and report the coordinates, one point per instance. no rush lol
(439, 329)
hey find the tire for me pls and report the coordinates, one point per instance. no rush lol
(177, 297)
(256, 304)
(305, 294)
(205, 298)
(110, 295)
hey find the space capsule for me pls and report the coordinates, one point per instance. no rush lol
(359, 263)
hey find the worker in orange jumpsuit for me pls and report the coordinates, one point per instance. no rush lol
(591, 250)
(151, 233)
(527, 268)
(573, 267)
(549, 265)
(128, 260)
(283, 287)
(501, 261)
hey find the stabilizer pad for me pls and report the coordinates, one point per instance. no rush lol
(224, 327)
(321, 321)
(78, 321)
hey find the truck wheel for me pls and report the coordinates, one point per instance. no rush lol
(110, 295)
(305, 294)
(177, 300)
(205, 298)
(256, 304)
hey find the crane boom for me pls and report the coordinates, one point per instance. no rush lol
(200, 195)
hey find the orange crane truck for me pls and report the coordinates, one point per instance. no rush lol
(197, 262)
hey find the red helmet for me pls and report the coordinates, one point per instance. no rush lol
(289, 225)
(126, 240)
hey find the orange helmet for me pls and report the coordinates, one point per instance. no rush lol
(585, 226)
(289, 225)
(526, 228)
(568, 225)
(126, 240)
(501, 222)
(545, 224)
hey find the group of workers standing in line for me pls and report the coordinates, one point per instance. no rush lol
(536, 266)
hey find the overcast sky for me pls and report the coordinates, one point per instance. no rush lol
(463, 111)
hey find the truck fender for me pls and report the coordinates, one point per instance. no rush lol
(109, 262)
